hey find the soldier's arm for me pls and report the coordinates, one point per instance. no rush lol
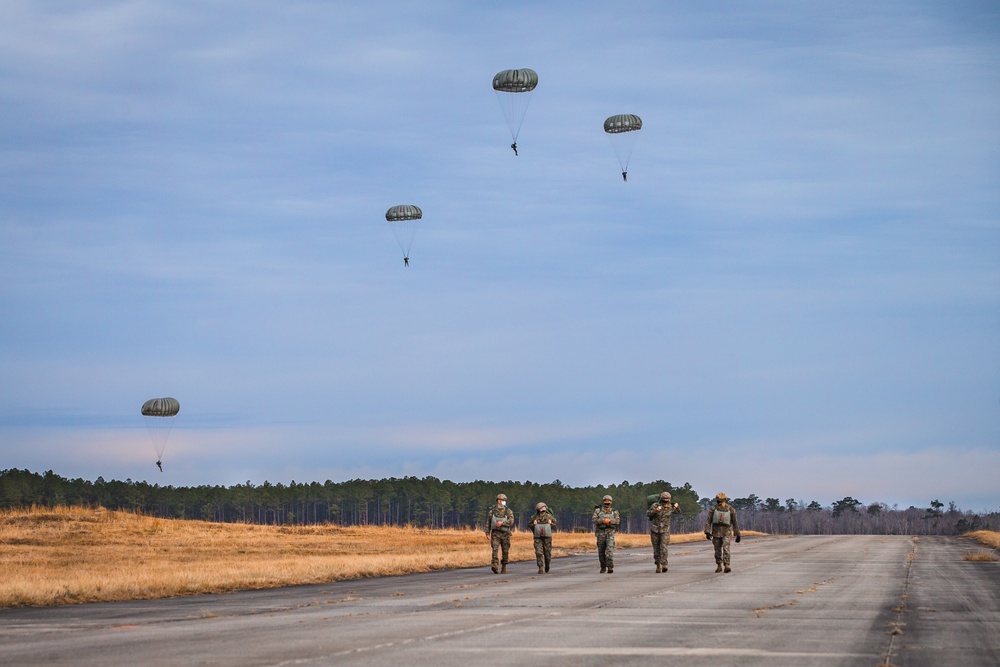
(616, 519)
(736, 525)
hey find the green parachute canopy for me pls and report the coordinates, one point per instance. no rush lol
(515, 80)
(514, 88)
(161, 407)
(623, 122)
(403, 220)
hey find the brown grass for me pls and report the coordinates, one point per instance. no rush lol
(990, 538)
(981, 556)
(69, 555)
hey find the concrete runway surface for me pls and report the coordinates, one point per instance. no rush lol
(816, 600)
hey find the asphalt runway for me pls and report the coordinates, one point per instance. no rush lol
(816, 600)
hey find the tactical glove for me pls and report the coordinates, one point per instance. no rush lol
(737, 539)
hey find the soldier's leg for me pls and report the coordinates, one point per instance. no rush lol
(726, 541)
(495, 543)
(717, 543)
(655, 539)
(602, 545)
(505, 551)
(664, 549)
(540, 552)
(609, 552)
(547, 551)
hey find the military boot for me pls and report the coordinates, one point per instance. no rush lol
(728, 569)
(503, 568)
(657, 569)
(718, 567)
(541, 569)
(547, 561)
(611, 568)
(664, 569)
(603, 569)
(494, 568)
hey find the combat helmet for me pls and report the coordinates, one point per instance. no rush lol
(541, 506)
(721, 497)
(665, 496)
(501, 496)
(608, 498)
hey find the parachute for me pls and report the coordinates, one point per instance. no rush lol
(514, 88)
(622, 131)
(403, 221)
(159, 414)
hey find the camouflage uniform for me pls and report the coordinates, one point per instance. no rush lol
(659, 515)
(499, 535)
(543, 545)
(721, 533)
(606, 535)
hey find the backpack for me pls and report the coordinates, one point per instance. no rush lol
(720, 517)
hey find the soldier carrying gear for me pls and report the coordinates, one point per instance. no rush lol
(542, 524)
(720, 526)
(659, 514)
(499, 524)
(606, 522)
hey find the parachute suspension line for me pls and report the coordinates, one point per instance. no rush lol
(159, 432)
(623, 144)
(514, 108)
(404, 231)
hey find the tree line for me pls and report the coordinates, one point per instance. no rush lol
(849, 516)
(433, 503)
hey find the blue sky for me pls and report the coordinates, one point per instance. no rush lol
(796, 293)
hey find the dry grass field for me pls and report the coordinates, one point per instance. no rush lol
(70, 555)
(990, 538)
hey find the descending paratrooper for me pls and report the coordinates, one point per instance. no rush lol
(514, 88)
(159, 413)
(622, 130)
(403, 221)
